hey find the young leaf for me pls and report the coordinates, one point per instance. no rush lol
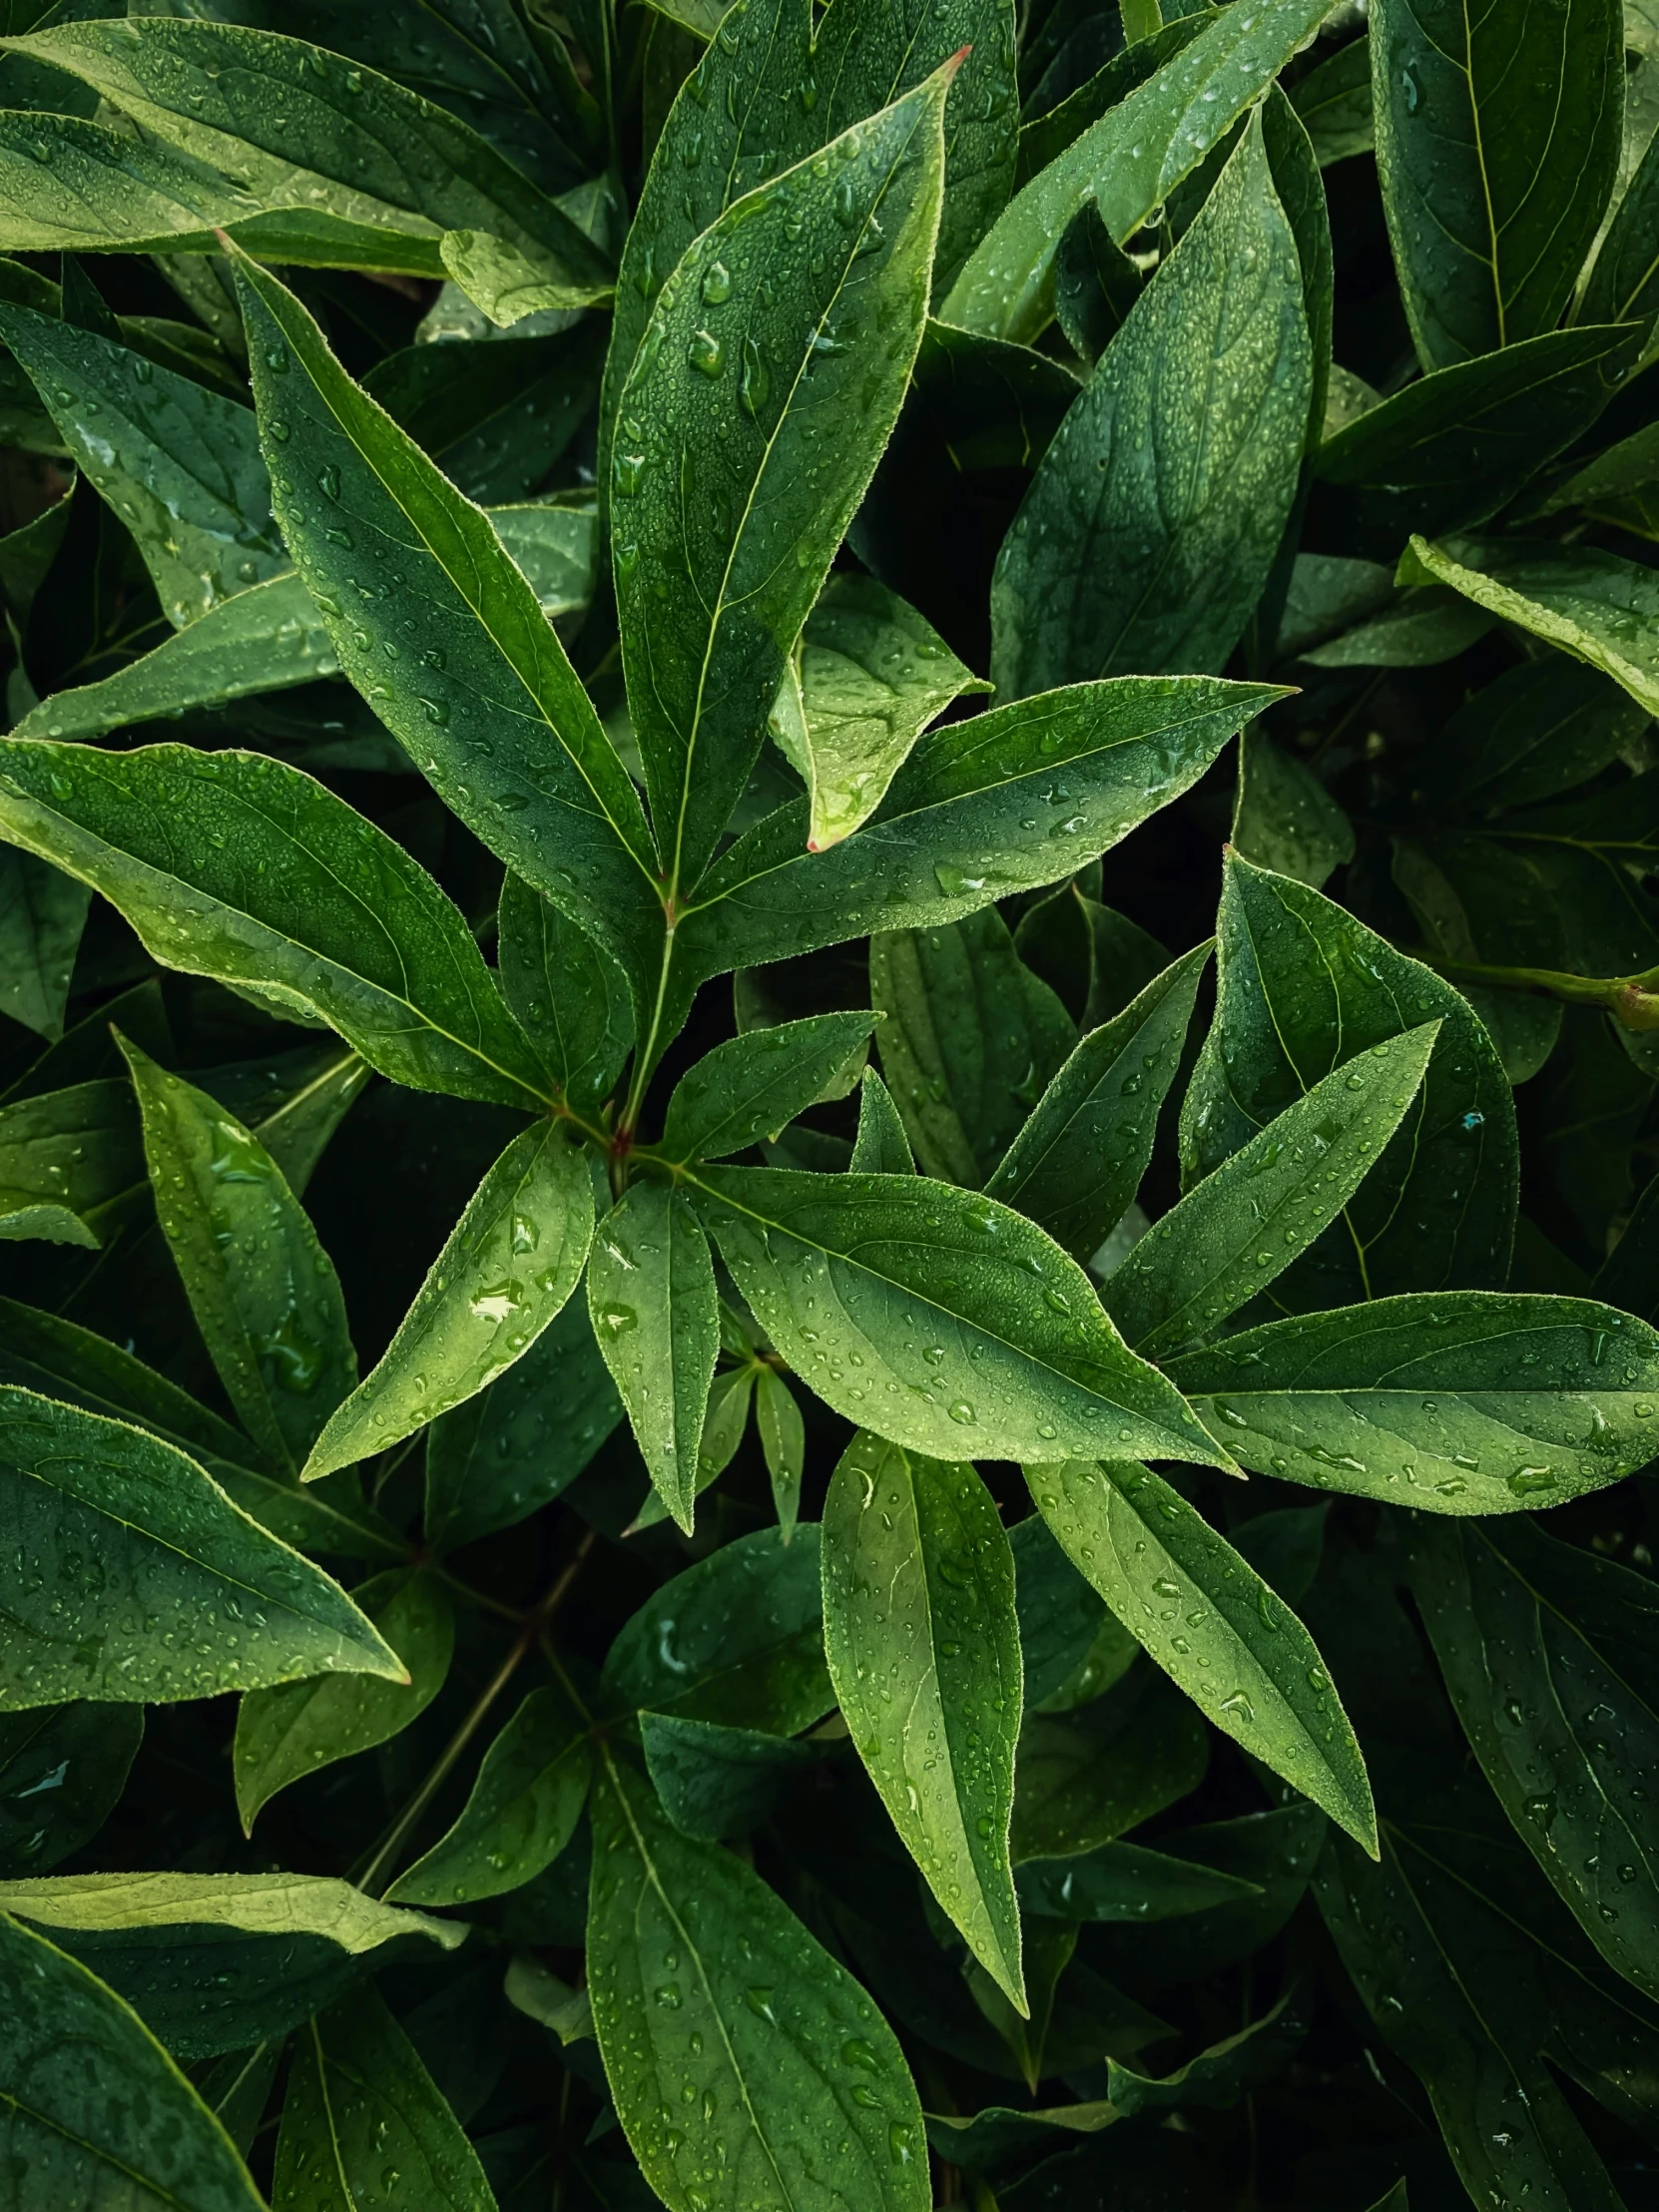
(1455, 1401)
(359, 2105)
(650, 1293)
(42, 914)
(1302, 986)
(231, 865)
(1212, 1625)
(570, 997)
(782, 1436)
(521, 1813)
(1488, 223)
(724, 469)
(112, 1529)
(1180, 453)
(263, 1292)
(283, 1734)
(507, 1269)
(747, 1088)
(1236, 1232)
(882, 1147)
(970, 1036)
(923, 1641)
(1077, 1163)
(896, 1297)
(106, 2112)
(775, 2040)
(62, 1771)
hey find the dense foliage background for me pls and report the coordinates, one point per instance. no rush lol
(805, 809)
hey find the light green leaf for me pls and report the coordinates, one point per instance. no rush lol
(1283, 818)
(1453, 1402)
(70, 184)
(521, 1811)
(1249, 1219)
(1180, 455)
(969, 1039)
(510, 281)
(1212, 1625)
(800, 2097)
(232, 866)
(62, 1771)
(141, 2134)
(507, 1269)
(1488, 222)
(42, 914)
(650, 1293)
(923, 1641)
(359, 2105)
(263, 1292)
(1078, 1161)
(725, 467)
(715, 1781)
(287, 1733)
(737, 1639)
(1590, 603)
(457, 652)
(1127, 162)
(746, 1089)
(570, 997)
(881, 1146)
(66, 1160)
(870, 676)
(847, 1275)
(783, 1436)
(112, 1527)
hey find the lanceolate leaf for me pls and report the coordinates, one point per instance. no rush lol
(110, 1526)
(938, 1317)
(568, 993)
(882, 1148)
(513, 1258)
(749, 1087)
(1213, 1624)
(1459, 1401)
(232, 866)
(922, 1642)
(62, 1771)
(42, 914)
(800, 2092)
(724, 471)
(66, 1159)
(1180, 456)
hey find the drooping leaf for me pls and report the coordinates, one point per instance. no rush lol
(1224, 2073)
(62, 1771)
(747, 1088)
(508, 1266)
(923, 1641)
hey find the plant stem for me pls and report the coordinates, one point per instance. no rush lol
(1633, 1000)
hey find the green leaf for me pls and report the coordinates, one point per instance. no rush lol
(1221, 2076)
(715, 1781)
(231, 865)
(522, 1438)
(457, 652)
(62, 1772)
(796, 299)
(67, 184)
(744, 1090)
(1488, 222)
(923, 1640)
(66, 1160)
(1301, 987)
(870, 676)
(700, 1976)
(359, 2105)
(1010, 800)
(1059, 1615)
(1548, 1653)
(507, 1267)
(1081, 1781)
(1078, 1161)
(215, 1962)
(1455, 1401)
(651, 1294)
(569, 995)
(1212, 1625)
(1334, 102)
(737, 1639)
(1621, 286)
(263, 1292)
(1125, 1883)
(1420, 630)
(113, 1527)
(42, 914)
(496, 413)
(144, 2132)
(1181, 454)
(1127, 162)
(1283, 818)
(783, 1434)
(283, 1734)
(881, 1146)
(1590, 603)
(1237, 1229)
(520, 1813)
(1541, 727)
(895, 1298)
(1460, 444)
(970, 1036)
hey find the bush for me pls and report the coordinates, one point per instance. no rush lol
(783, 1426)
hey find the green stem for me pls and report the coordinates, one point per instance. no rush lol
(1633, 1000)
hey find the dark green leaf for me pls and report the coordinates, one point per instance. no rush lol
(1541, 727)
(1059, 1615)
(66, 1161)
(42, 914)
(1334, 102)
(1125, 1883)
(783, 1434)
(570, 997)
(1082, 1781)
(62, 1771)
(715, 1781)
(882, 1147)
(749, 1087)
(1283, 818)
(1221, 2075)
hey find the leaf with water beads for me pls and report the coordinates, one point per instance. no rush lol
(1212, 1624)
(747, 1088)
(746, 2066)
(67, 1159)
